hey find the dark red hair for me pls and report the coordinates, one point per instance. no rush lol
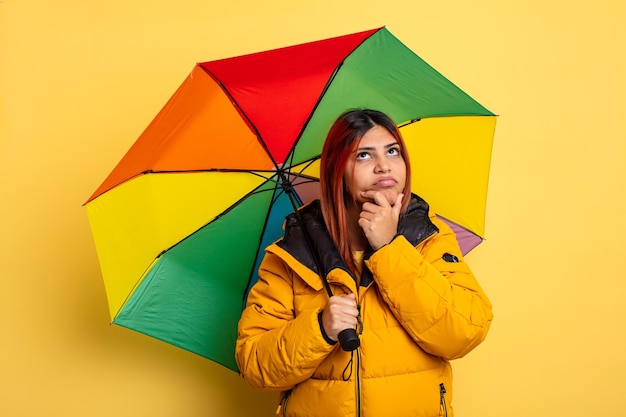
(343, 138)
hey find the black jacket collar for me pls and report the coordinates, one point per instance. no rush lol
(414, 225)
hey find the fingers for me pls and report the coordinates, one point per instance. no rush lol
(344, 307)
(380, 200)
(380, 221)
(340, 313)
(377, 197)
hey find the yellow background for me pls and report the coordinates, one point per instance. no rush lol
(80, 80)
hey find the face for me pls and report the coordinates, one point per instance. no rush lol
(376, 164)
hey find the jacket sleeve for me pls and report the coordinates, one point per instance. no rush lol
(276, 349)
(438, 302)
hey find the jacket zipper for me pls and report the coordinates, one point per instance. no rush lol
(359, 319)
(443, 408)
(282, 406)
(358, 382)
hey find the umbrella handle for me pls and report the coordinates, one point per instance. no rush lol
(349, 340)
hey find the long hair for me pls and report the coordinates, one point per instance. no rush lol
(343, 138)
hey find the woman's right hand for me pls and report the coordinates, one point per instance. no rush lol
(339, 314)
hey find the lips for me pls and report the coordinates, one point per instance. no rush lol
(385, 182)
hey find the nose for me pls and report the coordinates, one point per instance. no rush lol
(382, 166)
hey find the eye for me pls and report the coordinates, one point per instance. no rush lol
(394, 151)
(362, 156)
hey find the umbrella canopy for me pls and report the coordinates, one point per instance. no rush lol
(181, 222)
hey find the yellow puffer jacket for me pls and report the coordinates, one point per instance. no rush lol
(419, 309)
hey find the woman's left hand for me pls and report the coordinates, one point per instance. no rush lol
(379, 218)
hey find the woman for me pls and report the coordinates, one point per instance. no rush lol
(398, 278)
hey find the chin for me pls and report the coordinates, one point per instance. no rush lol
(391, 195)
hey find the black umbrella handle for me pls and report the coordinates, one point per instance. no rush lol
(348, 339)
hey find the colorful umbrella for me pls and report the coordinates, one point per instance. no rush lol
(181, 222)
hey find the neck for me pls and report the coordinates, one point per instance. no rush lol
(356, 236)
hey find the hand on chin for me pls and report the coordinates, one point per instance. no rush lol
(389, 194)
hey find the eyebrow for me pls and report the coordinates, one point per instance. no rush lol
(371, 148)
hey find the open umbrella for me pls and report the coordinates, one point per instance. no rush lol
(180, 224)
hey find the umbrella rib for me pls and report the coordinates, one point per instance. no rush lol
(220, 215)
(275, 195)
(137, 283)
(244, 171)
(219, 170)
(308, 164)
(243, 114)
(409, 122)
(317, 103)
(323, 93)
(182, 171)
